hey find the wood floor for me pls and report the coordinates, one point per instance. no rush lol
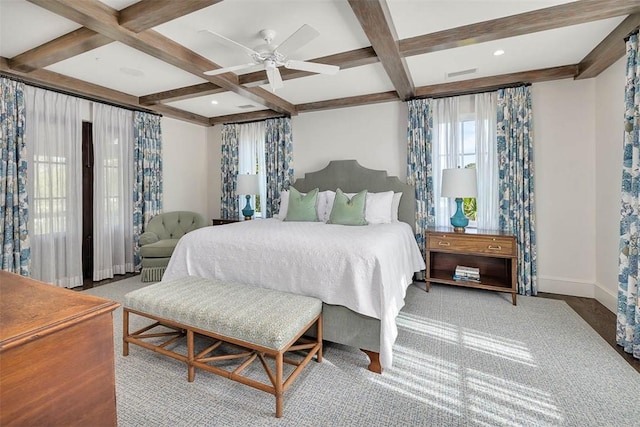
(599, 318)
(595, 314)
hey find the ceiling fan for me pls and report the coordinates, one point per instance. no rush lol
(269, 57)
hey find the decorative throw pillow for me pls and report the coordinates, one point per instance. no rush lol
(378, 207)
(347, 211)
(284, 205)
(302, 207)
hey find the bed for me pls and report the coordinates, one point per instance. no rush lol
(360, 273)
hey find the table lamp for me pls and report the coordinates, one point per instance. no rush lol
(459, 183)
(248, 185)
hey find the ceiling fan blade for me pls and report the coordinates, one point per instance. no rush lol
(230, 43)
(234, 68)
(275, 79)
(312, 67)
(304, 35)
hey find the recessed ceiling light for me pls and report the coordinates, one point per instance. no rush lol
(498, 52)
(214, 102)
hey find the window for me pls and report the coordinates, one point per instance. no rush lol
(50, 195)
(464, 136)
(251, 159)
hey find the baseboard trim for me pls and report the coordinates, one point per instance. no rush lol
(578, 288)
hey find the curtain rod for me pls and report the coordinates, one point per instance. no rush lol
(256, 121)
(64, 92)
(473, 92)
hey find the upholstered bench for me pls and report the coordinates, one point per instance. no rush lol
(260, 322)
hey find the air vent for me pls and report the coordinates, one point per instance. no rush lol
(461, 73)
(244, 107)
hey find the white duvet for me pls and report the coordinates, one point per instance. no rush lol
(364, 268)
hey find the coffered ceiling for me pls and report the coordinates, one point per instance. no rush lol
(152, 54)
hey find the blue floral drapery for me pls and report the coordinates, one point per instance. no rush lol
(229, 206)
(419, 165)
(515, 180)
(147, 192)
(279, 161)
(14, 205)
(628, 317)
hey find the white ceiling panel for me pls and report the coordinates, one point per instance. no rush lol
(350, 82)
(562, 46)
(416, 17)
(242, 20)
(125, 69)
(24, 26)
(227, 103)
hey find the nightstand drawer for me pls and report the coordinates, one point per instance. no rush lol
(504, 246)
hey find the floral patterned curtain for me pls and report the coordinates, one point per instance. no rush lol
(279, 161)
(14, 206)
(419, 165)
(628, 323)
(229, 207)
(147, 192)
(515, 180)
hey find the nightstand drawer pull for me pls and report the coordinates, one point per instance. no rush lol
(444, 244)
(495, 248)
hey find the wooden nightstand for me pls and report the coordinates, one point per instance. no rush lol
(218, 221)
(493, 252)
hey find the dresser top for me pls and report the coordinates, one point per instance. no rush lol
(30, 309)
(472, 231)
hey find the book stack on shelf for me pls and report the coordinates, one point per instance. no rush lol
(467, 274)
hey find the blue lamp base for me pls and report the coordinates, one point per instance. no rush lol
(458, 220)
(247, 211)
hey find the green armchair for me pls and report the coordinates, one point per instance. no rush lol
(160, 238)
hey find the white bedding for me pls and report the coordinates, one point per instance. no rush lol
(366, 269)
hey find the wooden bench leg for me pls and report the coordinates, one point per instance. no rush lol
(125, 332)
(374, 358)
(319, 334)
(191, 370)
(278, 385)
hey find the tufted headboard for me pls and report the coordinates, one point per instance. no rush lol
(351, 177)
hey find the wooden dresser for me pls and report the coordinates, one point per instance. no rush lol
(492, 252)
(56, 356)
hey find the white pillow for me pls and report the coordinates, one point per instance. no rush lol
(395, 205)
(325, 204)
(284, 205)
(378, 207)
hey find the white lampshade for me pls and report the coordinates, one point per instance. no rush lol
(248, 184)
(459, 183)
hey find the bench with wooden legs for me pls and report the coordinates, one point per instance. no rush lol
(259, 324)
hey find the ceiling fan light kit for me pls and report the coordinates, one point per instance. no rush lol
(269, 57)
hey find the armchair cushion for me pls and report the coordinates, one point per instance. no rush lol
(160, 249)
(148, 237)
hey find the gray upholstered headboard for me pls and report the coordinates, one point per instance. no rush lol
(351, 177)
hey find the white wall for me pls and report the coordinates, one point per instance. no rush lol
(184, 161)
(609, 110)
(375, 135)
(564, 156)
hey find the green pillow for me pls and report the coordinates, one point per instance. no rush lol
(348, 212)
(302, 207)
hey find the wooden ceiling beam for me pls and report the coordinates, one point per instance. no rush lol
(609, 50)
(375, 19)
(485, 84)
(147, 14)
(103, 19)
(179, 94)
(244, 117)
(578, 12)
(64, 47)
(350, 101)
